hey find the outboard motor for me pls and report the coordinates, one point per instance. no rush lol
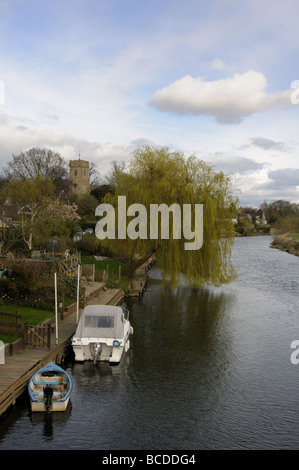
(97, 352)
(48, 393)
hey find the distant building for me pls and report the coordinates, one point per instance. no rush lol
(253, 215)
(79, 172)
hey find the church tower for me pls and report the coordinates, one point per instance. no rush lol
(79, 170)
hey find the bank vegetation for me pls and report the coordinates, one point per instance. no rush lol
(284, 219)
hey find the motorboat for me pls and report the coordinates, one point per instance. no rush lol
(102, 334)
(49, 389)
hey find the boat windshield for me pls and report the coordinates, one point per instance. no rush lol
(99, 322)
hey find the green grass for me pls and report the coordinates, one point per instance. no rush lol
(101, 265)
(31, 315)
(113, 266)
(293, 236)
(69, 301)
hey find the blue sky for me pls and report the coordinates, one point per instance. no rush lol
(210, 77)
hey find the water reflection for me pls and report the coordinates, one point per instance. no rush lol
(49, 421)
(88, 375)
(182, 348)
(207, 369)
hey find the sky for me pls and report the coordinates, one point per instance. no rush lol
(214, 78)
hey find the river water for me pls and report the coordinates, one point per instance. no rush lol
(207, 369)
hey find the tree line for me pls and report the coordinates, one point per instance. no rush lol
(282, 215)
(38, 206)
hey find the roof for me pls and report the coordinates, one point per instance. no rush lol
(101, 321)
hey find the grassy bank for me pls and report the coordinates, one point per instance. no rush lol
(31, 315)
(288, 242)
(114, 268)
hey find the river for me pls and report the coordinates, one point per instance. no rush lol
(207, 369)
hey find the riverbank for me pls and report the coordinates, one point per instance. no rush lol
(139, 279)
(288, 242)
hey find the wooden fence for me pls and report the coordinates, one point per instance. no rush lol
(68, 311)
(9, 324)
(37, 335)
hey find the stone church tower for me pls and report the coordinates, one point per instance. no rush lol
(79, 170)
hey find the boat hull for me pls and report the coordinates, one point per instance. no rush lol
(39, 406)
(102, 334)
(111, 354)
(49, 389)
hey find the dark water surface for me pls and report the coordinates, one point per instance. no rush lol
(207, 369)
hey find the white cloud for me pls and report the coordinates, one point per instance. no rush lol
(15, 138)
(218, 64)
(229, 100)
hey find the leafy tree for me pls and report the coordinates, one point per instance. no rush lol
(56, 219)
(157, 176)
(247, 226)
(100, 191)
(289, 223)
(25, 199)
(86, 205)
(33, 205)
(280, 208)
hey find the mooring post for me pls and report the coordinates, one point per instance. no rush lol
(25, 335)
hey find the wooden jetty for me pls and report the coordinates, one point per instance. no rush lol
(19, 367)
(140, 278)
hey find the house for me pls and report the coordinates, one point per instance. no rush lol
(252, 215)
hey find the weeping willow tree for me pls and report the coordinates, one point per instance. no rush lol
(158, 176)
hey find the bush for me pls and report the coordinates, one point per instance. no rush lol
(90, 245)
(286, 243)
(20, 282)
(68, 285)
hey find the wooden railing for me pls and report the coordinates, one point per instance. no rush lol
(9, 324)
(68, 311)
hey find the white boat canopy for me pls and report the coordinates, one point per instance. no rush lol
(101, 321)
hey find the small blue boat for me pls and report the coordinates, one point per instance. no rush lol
(49, 389)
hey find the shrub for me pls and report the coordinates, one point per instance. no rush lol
(68, 285)
(90, 245)
(20, 282)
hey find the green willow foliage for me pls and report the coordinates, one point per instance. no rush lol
(156, 176)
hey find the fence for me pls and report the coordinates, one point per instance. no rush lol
(68, 311)
(37, 335)
(9, 324)
(88, 271)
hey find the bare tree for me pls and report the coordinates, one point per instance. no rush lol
(93, 175)
(37, 162)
